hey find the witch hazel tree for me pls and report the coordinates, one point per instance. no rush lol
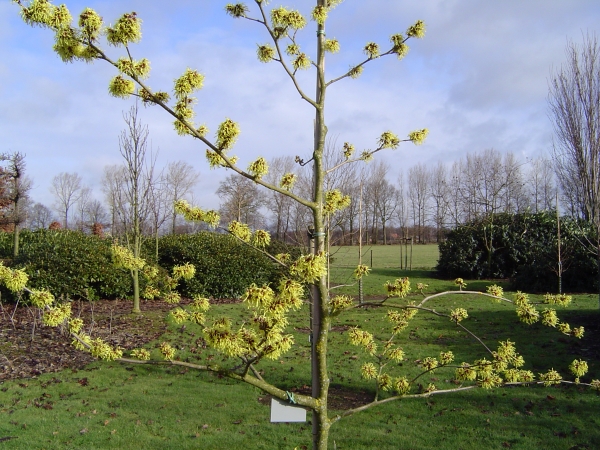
(264, 335)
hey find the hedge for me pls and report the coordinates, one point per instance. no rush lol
(523, 248)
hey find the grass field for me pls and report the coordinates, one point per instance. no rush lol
(110, 405)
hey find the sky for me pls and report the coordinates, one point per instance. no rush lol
(477, 80)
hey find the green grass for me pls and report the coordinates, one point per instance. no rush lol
(169, 408)
(377, 256)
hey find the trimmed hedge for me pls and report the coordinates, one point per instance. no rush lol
(524, 249)
(69, 263)
(224, 266)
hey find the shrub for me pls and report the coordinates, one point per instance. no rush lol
(70, 263)
(224, 266)
(522, 247)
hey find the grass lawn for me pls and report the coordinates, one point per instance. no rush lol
(111, 405)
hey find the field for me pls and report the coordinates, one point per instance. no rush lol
(111, 405)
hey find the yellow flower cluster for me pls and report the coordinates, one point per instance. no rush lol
(236, 10)
(458, 315)
(133, 68)
(335, 201)
(123, 258)
(319, 14)
(331, 45)
(40, 298)
(240, 230)
(578, 368)
(402, 386)
(355, 71)
(287, 181)
(258, 297)
(185, 271)
(285, 18)
(195, 214)
(417, 30)
(360, 271)
(309, 268)
(339, 303)
(399, 46)
(446, 357)
(90, 24)
(167, 351)
(261, 238)
(368, 371)
(460, 283)
(82, 345)
(265, 53)
(388, 140)
(400, 318)
(301, 62)
(227, 134)
(258, 168)
(418, 136)
(495, 290)
(549, 318)
(558, 299)
(179, 315)
(399, 288)
(141, 354)
(121, 87)
(53, 317)
(291, 293)
(371, 50)
(362, 338)
(127, 29)
(75, 325)
(150, 292)
(100, 349)
(429, 363)
(14, 280)
(384, 381)
(200, 303)
(551, 377)
(348, 150)
(525, 310)
(172, 297)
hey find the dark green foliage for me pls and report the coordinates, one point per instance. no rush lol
(224, 266)
(69, 264)
(524, 248)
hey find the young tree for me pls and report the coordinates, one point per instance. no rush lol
(137, 180)
(263, 336)
(66, 188)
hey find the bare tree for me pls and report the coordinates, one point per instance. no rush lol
(96, 213)
(179, 180)
(439, 192)
(574, 101)
(85, 195)
(137, 179)
(541, 186)
(418, 187)
(112, 184)
(240, 200)
(39, 216)
(278, 204)
(66, 188)
(18, 185)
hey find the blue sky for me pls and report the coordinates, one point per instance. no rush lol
(478, 80)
